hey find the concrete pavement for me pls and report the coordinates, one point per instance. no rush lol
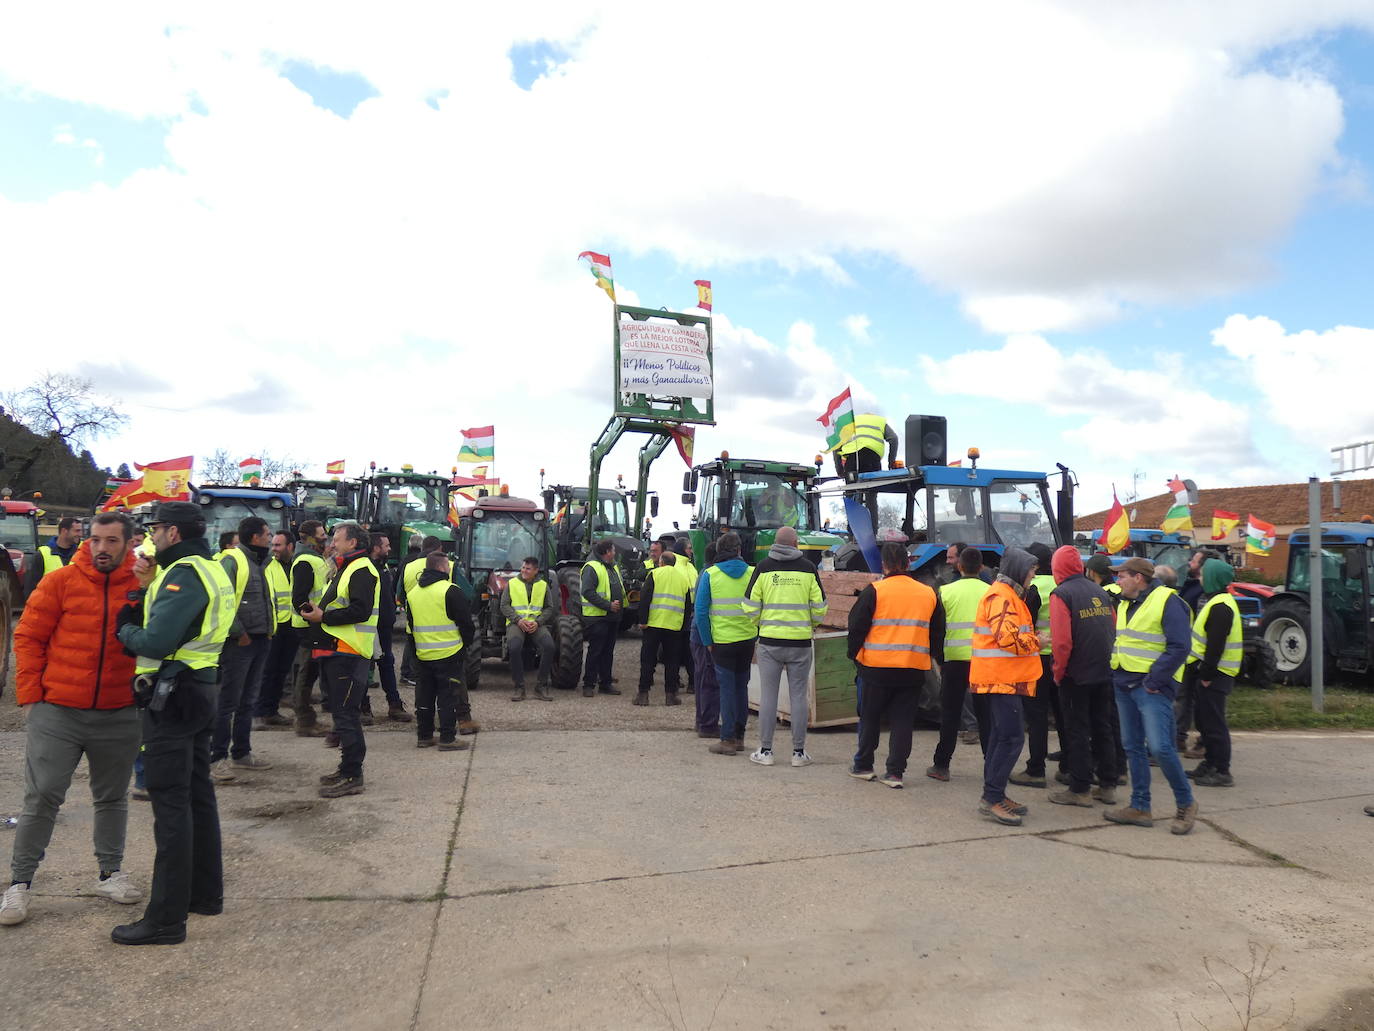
(628, 879)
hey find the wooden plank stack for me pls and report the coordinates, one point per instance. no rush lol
(841, 590)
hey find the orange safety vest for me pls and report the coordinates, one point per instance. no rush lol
(994, 669)
(900, 634)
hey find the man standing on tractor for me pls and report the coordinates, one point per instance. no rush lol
(442, 624)
(662, 609)
(530, 610)
(863, 452)
(57, 552)
(603, 596)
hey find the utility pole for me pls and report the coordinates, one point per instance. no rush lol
(1315, 638)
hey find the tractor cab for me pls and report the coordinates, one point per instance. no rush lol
(328, 501)
(225, 507)
(1161, 549)
(755, 499)
(609, 520)
(1347, 563)
(19, 539)
(404, 503)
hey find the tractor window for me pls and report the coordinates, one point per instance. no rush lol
(956, 515)
(707, 502)
(767, 501)
(1019, 514)
(611, 515)
(411, 502)
(321, 503)
(224, 514)
(503, 540)
(19, 532)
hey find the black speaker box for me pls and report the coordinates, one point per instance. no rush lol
(927, 442)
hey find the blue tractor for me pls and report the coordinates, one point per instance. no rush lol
(1347, 563)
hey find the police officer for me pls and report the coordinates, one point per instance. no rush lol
(177, 630)
(57, 552)
(662, 608)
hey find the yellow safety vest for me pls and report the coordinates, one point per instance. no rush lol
(1140, 640)
(1043, 585)
(1235, 637)
(320, 569)
(869, 433)
(960, 600)
(528, 604)
(729, 620)
(51, 562)
(201, 652)
(240, 572)
(280, 589)
(436, 636)
(603, 587)
(786, 604)
(361, 637)
(669, 601)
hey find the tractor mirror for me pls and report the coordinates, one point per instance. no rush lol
(687, 481)
(689, 499)
(653, 506)
(548, 500)
(1354, 564)
(341, 496)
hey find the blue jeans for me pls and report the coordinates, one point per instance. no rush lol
(240, 676)
(1147, 721)
(732, 662)
(1005, 738)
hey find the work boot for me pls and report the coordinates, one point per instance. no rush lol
(145, 932)
(1184, 819)
(1202, 769)
(1001, 812)
(1129, 815)
(1019, 808)
(468, 726)
(365, 718)
(398, 714)
(454, 745)
(519, 693)
(671, 698)
(642, 698)
(1026, 779)
(610, 690)
(345, 786)
(274, 720)
(940, 773)
(725, 746)
(588, 692)
(1105, 795)
(1214, 779)
(1369, 810)
(310, 730)
(541, 691)
(1072, 798)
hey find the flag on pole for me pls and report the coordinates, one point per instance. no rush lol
(838, 420)
(250, 472)
(1223, 523)
(1259, 536)
(335, 468)
(685, 437)
(601, 271)
(169, 480)
(1179, 518)
(1116, 533)
(703, 293)
(479, 444)
(128, 494)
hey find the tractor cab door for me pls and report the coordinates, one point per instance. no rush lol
(1347, 593)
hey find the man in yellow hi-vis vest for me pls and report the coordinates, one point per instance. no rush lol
(530, 605)
(1213, 665)
(441, 622)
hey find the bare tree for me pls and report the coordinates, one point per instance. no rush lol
(223, 468)
(65, 412)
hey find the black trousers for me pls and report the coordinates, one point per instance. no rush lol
(599, 633)
(659, 644)
(953, 689)
(176, 764)
(1185, 705)
(1038, 711)
(386, 666)
(1209, 705)
(436, 686)
(684, 653)
(1087, 733)
(281, 654)
(345, 680)
(898, 704)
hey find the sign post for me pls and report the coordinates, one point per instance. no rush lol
(1316, 638)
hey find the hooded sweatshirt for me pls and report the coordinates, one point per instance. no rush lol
(456, 605)
(731, 565)
(1043, 561)
(783, 558)
(1015, 565)
(1082, 622)
(1216, 577)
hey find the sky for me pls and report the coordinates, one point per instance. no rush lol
(1131, 238)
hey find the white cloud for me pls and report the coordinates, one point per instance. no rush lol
(1313, 383)
(64, 137)
(858, 326)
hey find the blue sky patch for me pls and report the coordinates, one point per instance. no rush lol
(530, 62)
(339, 92)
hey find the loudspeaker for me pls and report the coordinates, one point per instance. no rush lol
(926, 441)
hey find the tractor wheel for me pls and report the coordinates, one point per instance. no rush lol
(6, 629)
(1261, 666)
(472, 666)
(568, 664)
(1285, 631)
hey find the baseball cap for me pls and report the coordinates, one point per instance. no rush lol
(1099, 564)
(1142, 566)
(176, 513)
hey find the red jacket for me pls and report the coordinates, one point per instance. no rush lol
(65, 647)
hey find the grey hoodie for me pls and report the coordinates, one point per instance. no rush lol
(1016, 564)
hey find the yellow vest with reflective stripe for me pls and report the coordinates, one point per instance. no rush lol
(279, 588)
(868, 433)
(436, 636)
(320, 569)
(1043, 585)
(1235, 637)
(786, 604)
(52, 562)
(361, 637)
(669, 601)
(899, 635)
(729, 621)
(201, 652)
(1140, 640)
(603, 587)
(527, 603)
(240, 572)
(960, 600)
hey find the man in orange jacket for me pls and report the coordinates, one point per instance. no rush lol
(76, 681)
(1005, 668)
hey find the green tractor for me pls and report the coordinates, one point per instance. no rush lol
(329, 501)
(755, 499)
(575, 532)
(403, 503)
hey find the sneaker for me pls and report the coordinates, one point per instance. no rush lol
(221, 773)
(1201, 770)
(118, 888)
(1026, 779)
(940, 773)
(725, 746)
(466, 727)
(1016, 807)
(1001, 812)
(1072, 798)
(764, 757)
(642, 698)
(801, 758)
(862, 774)
(14, 907)
(250, 762)
(456, 745)
(344, 786)
(891, 780)
(331, 778)
(398, 714)
(1214, 779)
(140, 795)
(424, 742)
(407, 679)
(1184, 819)
(1107, 795)
(1368, 811)
(1129, 815)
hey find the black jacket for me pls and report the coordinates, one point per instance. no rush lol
(1093, 631)
(456, 605)
(861, 622)
(358, 609)
(176, 615)
(1215, 631)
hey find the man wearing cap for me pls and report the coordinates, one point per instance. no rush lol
(177, 630)
(1153, 635)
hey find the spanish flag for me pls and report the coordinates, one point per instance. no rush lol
(335, 468)
(703, 293)
(169, 480)
(1116, 534)
(1223, 523)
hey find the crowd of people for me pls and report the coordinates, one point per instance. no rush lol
(158, 660)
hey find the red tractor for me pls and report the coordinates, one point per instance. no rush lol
(19, 537)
